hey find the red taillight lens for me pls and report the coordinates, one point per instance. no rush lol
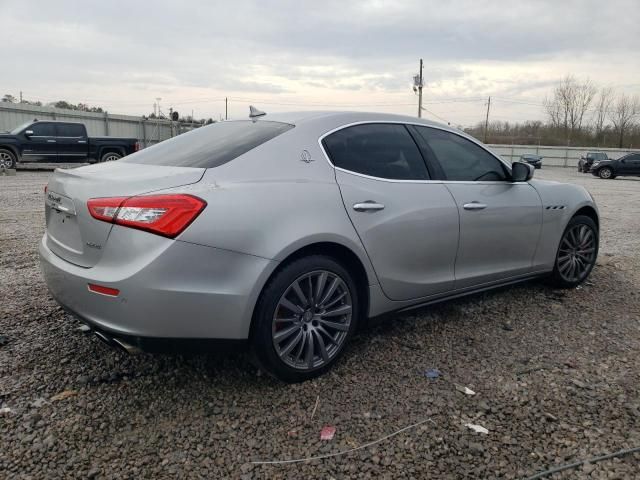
(136, 146)
(166, 215)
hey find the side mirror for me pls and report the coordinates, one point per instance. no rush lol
(521, 172)
(28, 133)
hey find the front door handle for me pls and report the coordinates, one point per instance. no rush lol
(51, 141)
(82, 141)
(474, 206)
(368, 206)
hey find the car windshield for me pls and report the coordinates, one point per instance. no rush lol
(19, 129)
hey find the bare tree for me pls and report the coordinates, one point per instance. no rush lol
(602, 108)
(571, 100)
(623, 114)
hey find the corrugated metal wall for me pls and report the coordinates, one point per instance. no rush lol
(148, 131)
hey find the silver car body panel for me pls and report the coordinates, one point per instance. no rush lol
(270, 202)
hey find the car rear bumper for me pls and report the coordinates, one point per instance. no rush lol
(187, 291)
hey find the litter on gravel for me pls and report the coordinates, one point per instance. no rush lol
(465, 390)
(477, 428)
(327, 432)
(432, 373)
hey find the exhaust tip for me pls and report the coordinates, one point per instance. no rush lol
(127, 347)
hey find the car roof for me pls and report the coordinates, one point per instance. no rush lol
(330, 120)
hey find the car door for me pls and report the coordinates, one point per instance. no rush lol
(71, 139)
(40, 143)
(634, 166)
(407, 224)
(500, 220)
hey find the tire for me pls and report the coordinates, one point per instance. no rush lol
(576, 243)
(281, 333)
(110, 157)
(7, 159)
(605, 173)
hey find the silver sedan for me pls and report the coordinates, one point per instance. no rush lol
(287, 231)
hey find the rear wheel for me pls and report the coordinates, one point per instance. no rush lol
(577, 252)
(110, 157)
(305, 317)
(7, 159)
(606, 173)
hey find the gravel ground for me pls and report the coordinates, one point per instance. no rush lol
(556, 376)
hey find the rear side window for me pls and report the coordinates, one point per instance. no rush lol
(377, 149)
(70, 130)
(210, 146)
(43, 130)
(461, 159)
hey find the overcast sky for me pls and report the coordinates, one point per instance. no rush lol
(297, 55)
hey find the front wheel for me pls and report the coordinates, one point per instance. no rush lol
(306, 315)
(7, 159)
(577, 252)
(605, 173)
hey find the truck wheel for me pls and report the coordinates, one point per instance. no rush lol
(7, 159)
(110, 157)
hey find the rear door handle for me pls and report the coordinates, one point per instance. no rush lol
(51, 141)
(368, 206)
(82, 141)
(474, 206)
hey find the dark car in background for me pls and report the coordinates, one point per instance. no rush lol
(49, 141)
(585, 163)
(532, 159)
(629, 165)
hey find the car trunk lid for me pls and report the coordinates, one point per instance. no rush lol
(72, 233)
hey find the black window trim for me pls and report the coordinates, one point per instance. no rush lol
(407, 123)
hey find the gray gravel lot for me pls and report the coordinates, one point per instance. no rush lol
(556, 376)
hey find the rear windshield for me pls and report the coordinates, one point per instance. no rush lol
(210, 146)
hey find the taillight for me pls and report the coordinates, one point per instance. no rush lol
(136, 146)
(166, 215)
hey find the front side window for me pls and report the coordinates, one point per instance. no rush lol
(210, 146)
(70, 130)
(461, 159)
(380, 150)
(43, 130)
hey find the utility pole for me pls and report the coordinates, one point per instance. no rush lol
(226, 108)
(20, 96)
(158, 118)
(418, 83)
(486, 121)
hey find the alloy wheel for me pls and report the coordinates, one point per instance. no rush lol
(577, 253)
(311, 320)
(111, 158)
(605, 173)
(6, 160)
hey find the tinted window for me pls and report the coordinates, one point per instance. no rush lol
(43, 129)
(210, 146)
(377, 149)
(70, 130)
(461, 159)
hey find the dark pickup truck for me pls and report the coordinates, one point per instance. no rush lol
(45, 141)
